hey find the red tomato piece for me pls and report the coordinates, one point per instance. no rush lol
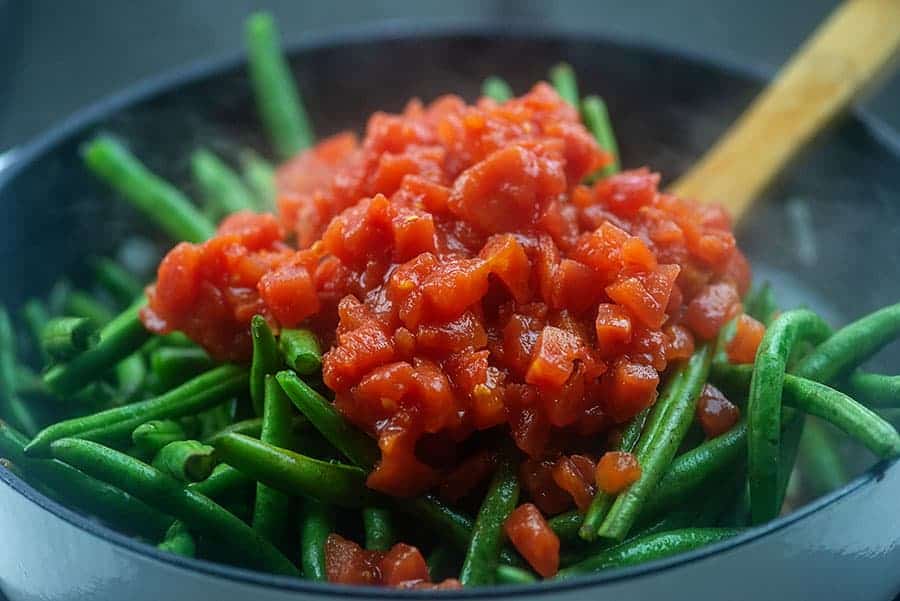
(715, 412)
(531, 535)
(747, 336)
(616, 471)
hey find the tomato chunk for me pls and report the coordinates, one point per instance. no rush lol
(715, 412)
(747, 336)
(616, 471)
(531, 535)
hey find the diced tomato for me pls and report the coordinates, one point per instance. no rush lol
(747, 336)
(709, 310)
(715, 412)
(403, 565)
(531, 535)
(347, 563)
(575, 475)
(616, 471)
(631, 388)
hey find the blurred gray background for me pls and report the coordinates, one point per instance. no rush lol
(60, 55)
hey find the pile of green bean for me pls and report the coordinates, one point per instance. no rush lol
(254, 466)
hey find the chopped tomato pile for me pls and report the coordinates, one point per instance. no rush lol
(464, 278)
(401, 567)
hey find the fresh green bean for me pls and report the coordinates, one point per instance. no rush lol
(513, 575)
(277, 98)
(764, 406)
(596, 117)
(301, 351)
(131, 373)
(270, 512)
(354, 444)
(659, 443)
(648, 548)
(82, 492)
(225, 481)
(496, 88)
(851, 345)
(562, 76)
(174, 365)
(843, 412)
(259, 176)
(35, 316)
(186, 460)
(482, 558)
(379, 529)
(178, 541)
(82, 304)
(118, 339)
(156, 198)
(295, 474)
(566, 526)
(11, 405)
(193, 396)
(873, 390)
(150, 437)
(167, 494)
(318, 523)
(65, 337)
(265, 360)
(691, 470)
(844, 350)
(602, 500)
(222, 188)
(443, 562)
(115, 279)
(823, 469)
(432, 513)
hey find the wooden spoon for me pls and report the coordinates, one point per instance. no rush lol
(844, 54)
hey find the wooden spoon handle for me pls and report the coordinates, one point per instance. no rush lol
(844, 54)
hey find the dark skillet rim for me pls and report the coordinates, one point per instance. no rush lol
(386, 30)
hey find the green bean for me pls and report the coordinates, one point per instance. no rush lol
(443, 562)
(764, 406)
(118, 339)
(271, 509)
(11, 405)
(56, 299)
(513, 575)
(482, 558)
(248, 427)
(82, 304)
(659, 442)
(354, 444)
(222, 188)
(65, 337)
(156, 198)
(81, 492)
(596, 117)
(648, 548)
(131, 373)
(602, 500)
(823, 469)
(496, 88)
(691, 470)
(198, 394)
(167, 494)
(843, 412)
(224, 481)
(378, 527)
(259, 176)
(186, 460)
(562, 76)
(265, 360)
(295, 474)
(150, 437)
(844, 350)
(178, 541)
(173, 365)
(35, 316)
(566, 526)
(851, 345)
(317, 525)
(873, 390)
(301, 351)
(277, 98)
(116, 280)
(454, 527)
(761, 305)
